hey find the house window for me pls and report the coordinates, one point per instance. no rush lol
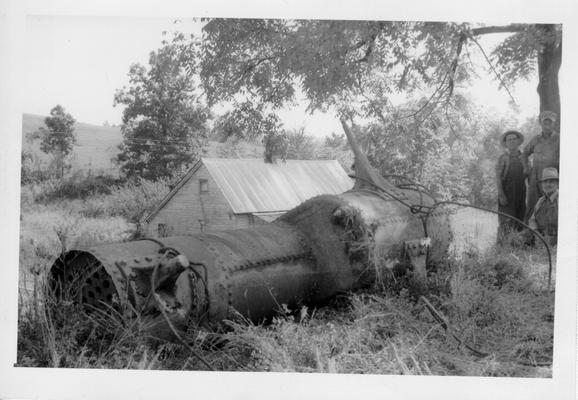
(203, 185)
(162, 230)
(251, 219)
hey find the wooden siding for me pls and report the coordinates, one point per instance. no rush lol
(183, 213)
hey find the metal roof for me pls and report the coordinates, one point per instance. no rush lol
(255, 186)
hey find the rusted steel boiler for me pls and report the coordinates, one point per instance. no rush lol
(326, 245)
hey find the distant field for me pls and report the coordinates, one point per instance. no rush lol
(97, 145)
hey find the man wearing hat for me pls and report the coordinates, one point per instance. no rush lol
(545, 151)
(510, 180)
(545, 214)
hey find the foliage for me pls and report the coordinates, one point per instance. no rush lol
(47, 230)
(32, 168)
(336, 141)
(234, 147)
(75, 186)
(247, 120)
(131, 201)
(515, 57)
(332, 62)
(300, 146)
(54, 333)
(58, 136)
(164, 120)
(97, 196)
(337, 62)
(434, 150)
(353, 67)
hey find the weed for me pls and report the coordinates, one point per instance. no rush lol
(493, 302)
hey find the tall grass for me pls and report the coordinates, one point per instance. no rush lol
(494, 304)
(96, 197)
(491, 306)
(52, 223)
(131, 201)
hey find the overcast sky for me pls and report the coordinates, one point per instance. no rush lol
(79, 62)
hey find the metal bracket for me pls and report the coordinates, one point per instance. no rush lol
(416, 252)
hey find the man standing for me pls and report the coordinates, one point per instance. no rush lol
(545, 215)
(510, 181)
(545, 149)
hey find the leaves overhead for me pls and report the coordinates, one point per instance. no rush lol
(515, 57)
(247, 120)
(333, 63)
(353, 67)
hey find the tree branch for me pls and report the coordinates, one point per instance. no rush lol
(437, 92)
(502, 83)
(370, 42)
(253, 63)
(459, 47)
(484, 30)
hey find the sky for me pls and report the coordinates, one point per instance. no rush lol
(80, 62)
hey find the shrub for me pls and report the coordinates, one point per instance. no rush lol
(75, 186)
(80, 186)
(46, 231)
(131, 201)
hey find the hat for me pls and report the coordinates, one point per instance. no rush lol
(549, 174)
(520, 136)
(548, 115)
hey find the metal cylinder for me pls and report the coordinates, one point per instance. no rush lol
(326, 245)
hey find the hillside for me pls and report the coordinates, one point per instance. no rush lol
(95, 148)
(98, 145)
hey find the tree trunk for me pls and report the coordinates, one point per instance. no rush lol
(549, 61)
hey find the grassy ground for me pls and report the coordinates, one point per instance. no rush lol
(499, 314)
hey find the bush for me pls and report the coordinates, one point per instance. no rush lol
(46, 231)
(131, 201)
(97, 196)
(80, 186)
(75, 186)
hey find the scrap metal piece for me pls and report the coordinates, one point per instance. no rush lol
(327, 245)
(416, 251)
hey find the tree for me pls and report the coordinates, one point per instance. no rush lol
(353, 66)
(57, 137)
(300, 146)
(534, 46)
(335, 141)
(165, 120)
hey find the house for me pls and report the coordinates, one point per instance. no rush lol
(218, 194)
